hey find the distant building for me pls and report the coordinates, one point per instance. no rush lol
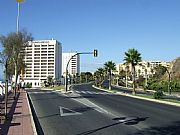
(143, 68)
(74, 64)
(43, 58)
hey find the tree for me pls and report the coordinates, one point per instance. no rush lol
(133, 57)
(14, 44)
(101, 73)
(50, 80)
(159, 71)
(109, 67)
(88, 76)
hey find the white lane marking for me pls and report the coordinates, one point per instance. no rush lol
(67, 112)
(84, 92)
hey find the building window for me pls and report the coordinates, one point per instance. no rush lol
(44, 45)
(36, 67)
(37, 45)
(43, 67)
(36, 54)
(50, 51)
(50, 66)
(43, 51)
(43, 54)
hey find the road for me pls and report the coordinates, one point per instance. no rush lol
(90, 111)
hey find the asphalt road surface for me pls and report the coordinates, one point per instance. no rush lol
(87, 111)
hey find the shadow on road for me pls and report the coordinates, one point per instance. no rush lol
(121, 120)
(82, 109)
(173, 129)
(132, 120)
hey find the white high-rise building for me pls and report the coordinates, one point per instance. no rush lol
(74, 64)
(43, 58)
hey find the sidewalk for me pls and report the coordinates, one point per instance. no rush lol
(19, 116)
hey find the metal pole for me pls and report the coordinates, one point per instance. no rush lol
(6, 90)
(18, 17)
(126, 78)
(67, 70)
(68, 65)
(169, 80)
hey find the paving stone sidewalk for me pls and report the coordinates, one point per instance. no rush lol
(19, 116)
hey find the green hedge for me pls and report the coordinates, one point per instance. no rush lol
(158, 94)
(163, 85)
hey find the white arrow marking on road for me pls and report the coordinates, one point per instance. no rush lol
(67, 112)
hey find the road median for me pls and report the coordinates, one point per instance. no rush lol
(140, 97)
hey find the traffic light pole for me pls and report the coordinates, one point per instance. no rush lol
(66, 82)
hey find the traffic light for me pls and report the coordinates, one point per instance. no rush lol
(95, 53)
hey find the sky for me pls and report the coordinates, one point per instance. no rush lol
(110, 26)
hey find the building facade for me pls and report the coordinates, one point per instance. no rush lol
(74, 64)
(43, 58)
(144, 68)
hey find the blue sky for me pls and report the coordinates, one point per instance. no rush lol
(111, 26)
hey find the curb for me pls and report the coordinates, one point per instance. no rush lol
(32, 120)
(128, 95)
(38, 127)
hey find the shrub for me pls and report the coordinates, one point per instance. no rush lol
(158, 95)
(28, 85)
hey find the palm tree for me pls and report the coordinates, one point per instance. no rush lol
(133, 57)
(109, 67)
(101, 73)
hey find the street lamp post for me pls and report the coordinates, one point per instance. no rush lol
(18, 13)
(6, 88)
(169, 81)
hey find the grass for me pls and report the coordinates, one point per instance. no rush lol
(171, 100)
(151, 97)
(144, 96)
(163, 99)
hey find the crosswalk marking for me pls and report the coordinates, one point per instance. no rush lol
(42, 92)
(94, 93)
(76, 91)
